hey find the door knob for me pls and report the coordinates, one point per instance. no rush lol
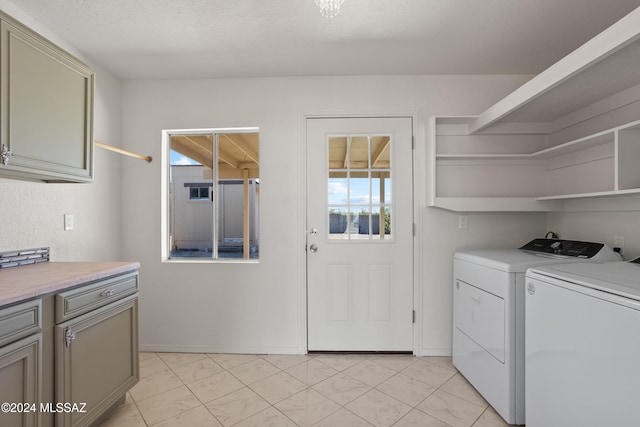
(313, 249)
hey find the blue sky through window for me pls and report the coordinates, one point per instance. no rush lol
(181, 159)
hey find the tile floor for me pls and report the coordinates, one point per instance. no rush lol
(194, 390)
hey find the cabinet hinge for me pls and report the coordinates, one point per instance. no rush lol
(413, 316)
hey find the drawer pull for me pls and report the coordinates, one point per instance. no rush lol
(107, 293)
(69, 336)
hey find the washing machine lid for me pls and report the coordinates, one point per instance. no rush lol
(539, 252)
(511, 260)
(618, 278)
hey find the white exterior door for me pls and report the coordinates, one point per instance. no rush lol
(360, 234)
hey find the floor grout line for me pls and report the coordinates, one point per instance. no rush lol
(441, 371)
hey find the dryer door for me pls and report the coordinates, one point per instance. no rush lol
(480, 315)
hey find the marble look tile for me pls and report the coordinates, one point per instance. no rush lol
(343, 418)
(215, 386)
(369, 372)
(125, 415)
(378, 408)
(167, 405)
(237, 406)
(416, 418)
(173, 360)
(197, 370)
(451, 409)
(152, 385)
(406, 389)
(459, 386)
(228, 361)
(429, 373)
(144, 355)
(285, 361)
(270, 417)
(442, 361)
(397, 363)
(307, 407)
(340, 363)
(277, 387)
(312, 372)
(341, 388)
(198, 417)
(151, 365)
(254, 371)
(490, 418)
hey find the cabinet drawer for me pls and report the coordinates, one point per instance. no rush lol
(20, 320)
(88, 297)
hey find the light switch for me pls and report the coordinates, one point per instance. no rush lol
(463, 222)
(68, 222)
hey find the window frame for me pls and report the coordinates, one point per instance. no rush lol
(166, 200)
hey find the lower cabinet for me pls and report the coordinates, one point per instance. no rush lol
(96, 361)
(20, 366)
(66, 359)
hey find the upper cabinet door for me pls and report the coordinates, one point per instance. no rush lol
(46, 104)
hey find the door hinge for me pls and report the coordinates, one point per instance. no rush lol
(414, 229)
(413, 142)
(413, 316)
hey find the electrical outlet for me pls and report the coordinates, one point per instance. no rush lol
(68, 222)
(618, 242)
(463, 222)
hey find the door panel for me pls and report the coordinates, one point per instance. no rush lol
(360, 240)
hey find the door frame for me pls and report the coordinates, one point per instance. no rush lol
(419, 175)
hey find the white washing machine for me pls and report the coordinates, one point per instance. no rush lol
(583, 345)
(488, 315)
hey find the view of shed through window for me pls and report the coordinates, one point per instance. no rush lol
(359, 198)
(214, 194)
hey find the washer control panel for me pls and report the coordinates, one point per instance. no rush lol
(572, 248)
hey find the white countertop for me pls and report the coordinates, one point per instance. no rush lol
(22, 283)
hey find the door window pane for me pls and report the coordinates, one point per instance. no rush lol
(359, 187)
(359, 152)
(338, 188)
(380, 152)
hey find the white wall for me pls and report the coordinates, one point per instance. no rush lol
(260, 307)
(603, 226)
(32, 212)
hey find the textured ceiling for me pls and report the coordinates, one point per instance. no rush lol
(246, 38)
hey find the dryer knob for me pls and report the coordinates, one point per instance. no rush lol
(531, 288)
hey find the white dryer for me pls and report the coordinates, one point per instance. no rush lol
(488, 315)
(582, 346)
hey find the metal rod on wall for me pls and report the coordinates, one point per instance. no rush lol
(121, 151)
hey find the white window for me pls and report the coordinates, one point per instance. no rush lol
(211, 194)
(199, 193)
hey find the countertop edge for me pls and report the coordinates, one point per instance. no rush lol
(23, 283)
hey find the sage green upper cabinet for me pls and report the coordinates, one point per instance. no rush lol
(46, 105)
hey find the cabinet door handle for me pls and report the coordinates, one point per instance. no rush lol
(107, 293)
(5, 155)
(69, 336)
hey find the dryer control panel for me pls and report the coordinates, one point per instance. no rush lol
(571, 248)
